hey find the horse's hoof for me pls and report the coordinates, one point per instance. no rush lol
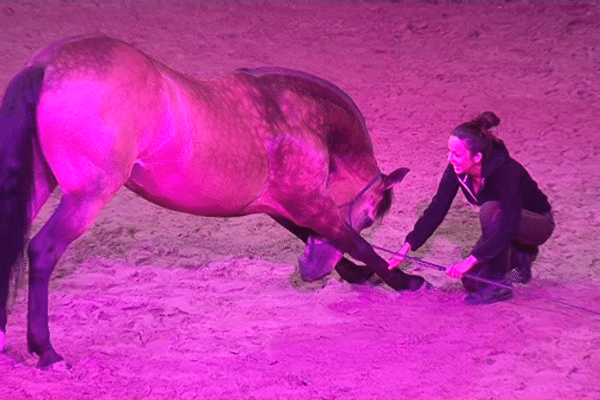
(398, 280)
(353, 273)
(60, 366)
(48, 359)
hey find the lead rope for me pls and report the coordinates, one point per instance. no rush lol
(494, 283)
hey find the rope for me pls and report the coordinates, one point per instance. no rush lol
(494, 283)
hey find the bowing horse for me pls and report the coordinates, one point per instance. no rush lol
(93, 114)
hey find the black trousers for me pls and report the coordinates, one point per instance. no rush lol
(534, 230)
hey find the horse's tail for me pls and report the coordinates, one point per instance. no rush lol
(18, 130)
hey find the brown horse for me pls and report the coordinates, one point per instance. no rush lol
(93, 114)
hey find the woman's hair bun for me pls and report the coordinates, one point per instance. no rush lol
(476, 134)
(488, 120)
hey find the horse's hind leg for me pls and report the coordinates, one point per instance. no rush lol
(73, 216)
(44, 184)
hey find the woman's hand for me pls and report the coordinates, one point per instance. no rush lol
(398, 258)
(457, 270)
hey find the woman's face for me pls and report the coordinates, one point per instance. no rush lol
(461, 159)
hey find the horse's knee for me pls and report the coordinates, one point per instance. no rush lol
(318, 259)
(353, 273)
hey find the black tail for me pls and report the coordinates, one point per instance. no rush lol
(18, 129)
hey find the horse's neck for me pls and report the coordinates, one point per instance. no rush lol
(345, 183)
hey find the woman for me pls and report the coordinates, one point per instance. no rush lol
(515, 215)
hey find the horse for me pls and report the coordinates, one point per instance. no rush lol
(92, 114)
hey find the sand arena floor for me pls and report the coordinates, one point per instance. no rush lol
(152, 304)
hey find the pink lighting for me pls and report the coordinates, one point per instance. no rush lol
(151, 303)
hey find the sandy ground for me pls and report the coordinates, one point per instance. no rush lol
(152, 304)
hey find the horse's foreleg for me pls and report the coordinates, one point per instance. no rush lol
(72, 217)
(298, 231)
(352, 243)
(328, 223)
(318, 261)
(318, 258)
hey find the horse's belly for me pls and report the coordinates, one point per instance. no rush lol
(211, 196)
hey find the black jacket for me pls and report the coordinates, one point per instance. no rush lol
(506, 181)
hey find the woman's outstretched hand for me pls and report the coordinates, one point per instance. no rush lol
(457, 270)
(398, 258)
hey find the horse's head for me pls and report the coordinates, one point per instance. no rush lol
(374, 200)
(366, 207)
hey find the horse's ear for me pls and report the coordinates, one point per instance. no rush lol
(395, 177)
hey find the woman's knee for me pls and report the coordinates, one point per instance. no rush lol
(535, 229)
(489, 215)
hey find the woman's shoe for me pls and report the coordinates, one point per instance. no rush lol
(520, 262)
(488, 295)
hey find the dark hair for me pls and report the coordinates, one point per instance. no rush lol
(476, 133)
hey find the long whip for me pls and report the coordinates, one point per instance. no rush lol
(490, 282)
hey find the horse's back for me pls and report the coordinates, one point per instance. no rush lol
(110, 115)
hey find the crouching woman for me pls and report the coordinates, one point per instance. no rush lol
(516, 217)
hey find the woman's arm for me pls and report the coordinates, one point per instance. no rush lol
(432, 217)
(398, 258)
(435, 213)
(507, 188)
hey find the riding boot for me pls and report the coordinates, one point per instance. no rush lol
(493, 270)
